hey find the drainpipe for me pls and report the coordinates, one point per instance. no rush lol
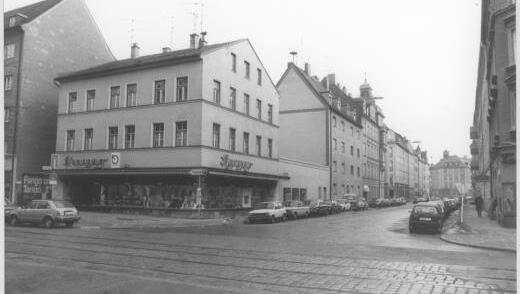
(329, 147)
(17, 110)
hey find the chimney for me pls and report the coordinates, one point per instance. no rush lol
(332, 79)
(194, 41)
(344, 89)
(307, 68)
(202, 41)
(134, 50)
(166, 49)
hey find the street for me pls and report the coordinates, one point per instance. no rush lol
(353, 252)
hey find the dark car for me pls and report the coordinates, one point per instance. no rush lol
(362, 204)
(334, 206)
(320, 207)
(385, 202)
(373, 203)
(426, 216)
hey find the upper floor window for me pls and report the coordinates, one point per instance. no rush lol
(246, 103)
(216, 91)
(158, 135)
(115, 93)
(343, 126)
(258, 108)
(129, 136)
(343, 169)
(89, 136)
(334, 121)
(352, 170)
(270, 147)
(12, 21)
(259, 145)
(131, 95)
(182, 89)
(512, 46)
(335, 143)
(247, 69)
(73, 98)
(246, 143)
(342, 147)
(7, 115)
(71, 137)
(159, 92)
(270, 113)
(259, 76)
(91, 96)
(181, 133)
(8, 82)
(232, 139)
(351, 150)
(233, 62)
(233, 98)
(216, 135)
(335, 166)
(9, 51)
(113, 134)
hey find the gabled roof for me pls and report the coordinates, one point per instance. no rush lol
(147, 61)
(317, 88)
(28, 13)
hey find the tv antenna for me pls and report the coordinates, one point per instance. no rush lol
(293, 53)
(171, 31)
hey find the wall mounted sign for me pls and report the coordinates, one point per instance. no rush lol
(70, 162)
(115, 160)
(235, 164)
(35, 186)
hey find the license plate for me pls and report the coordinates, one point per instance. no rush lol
(69, 213)
(425, 218)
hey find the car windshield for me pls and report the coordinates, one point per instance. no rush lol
(63, 204)
(425, 209)
(265, 205)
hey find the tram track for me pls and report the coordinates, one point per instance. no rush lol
(238, 263)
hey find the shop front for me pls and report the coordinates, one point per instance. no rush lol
(96, 183)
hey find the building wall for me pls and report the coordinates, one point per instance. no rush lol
(303, 175)
(47, 52)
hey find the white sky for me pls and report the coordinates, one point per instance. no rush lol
(421, 56)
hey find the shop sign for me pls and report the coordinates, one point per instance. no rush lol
(71, 162)
(235, 164)
(115, 160)
(35, 187)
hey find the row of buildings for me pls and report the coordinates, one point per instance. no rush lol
(205, 125)
(493, 131)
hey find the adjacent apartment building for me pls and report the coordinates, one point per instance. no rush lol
(40, 41)
(493, 131)
(450, 176)
(321, 146)
(148, 131)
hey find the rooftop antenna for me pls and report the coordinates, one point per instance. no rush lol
(195, 17)
(365, 77)
(201, 16)
(171, 32)
(132, 31)
(293, 53)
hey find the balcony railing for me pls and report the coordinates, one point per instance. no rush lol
(474, 148)
(473, 132)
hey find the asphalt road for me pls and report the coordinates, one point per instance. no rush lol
(352, 252)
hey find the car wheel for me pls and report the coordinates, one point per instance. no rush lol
(273, 219)
(48, 222)
(283, 218)
(411, 229)
(13, 220)
(295, 216)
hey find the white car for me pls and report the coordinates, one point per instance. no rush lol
(267, 211)
(345, 205)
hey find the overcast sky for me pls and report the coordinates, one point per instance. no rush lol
(421, 56)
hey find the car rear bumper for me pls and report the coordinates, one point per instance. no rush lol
(426, 224)
(66, 219)
(258, 217)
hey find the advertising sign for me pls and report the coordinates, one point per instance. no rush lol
(115, 160)
(35, 186)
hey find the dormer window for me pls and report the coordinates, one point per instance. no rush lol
(12, 21)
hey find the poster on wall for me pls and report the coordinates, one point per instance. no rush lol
(35, 186)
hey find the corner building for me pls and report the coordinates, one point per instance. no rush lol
(142, 132)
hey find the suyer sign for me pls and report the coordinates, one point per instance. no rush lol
(235, 164)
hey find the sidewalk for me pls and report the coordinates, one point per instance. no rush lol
(481, 232)
(97, 220)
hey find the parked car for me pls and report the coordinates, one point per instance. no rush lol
(46, 212)
(426, 215)
(295, 209)
(401, 201)
(362, 204)
(440, 204)
(420, 199)
(267, 211)
(8, 208)
(373, 203)
(320, 207)
(345, 205)
(352, 200)
(385, 202)
(334, 206)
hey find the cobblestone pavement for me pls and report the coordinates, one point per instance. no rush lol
(252, 259)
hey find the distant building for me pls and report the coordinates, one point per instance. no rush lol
(493, 131)
(146, 131)
(371, 117)
(41, 40)
(450, 176)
